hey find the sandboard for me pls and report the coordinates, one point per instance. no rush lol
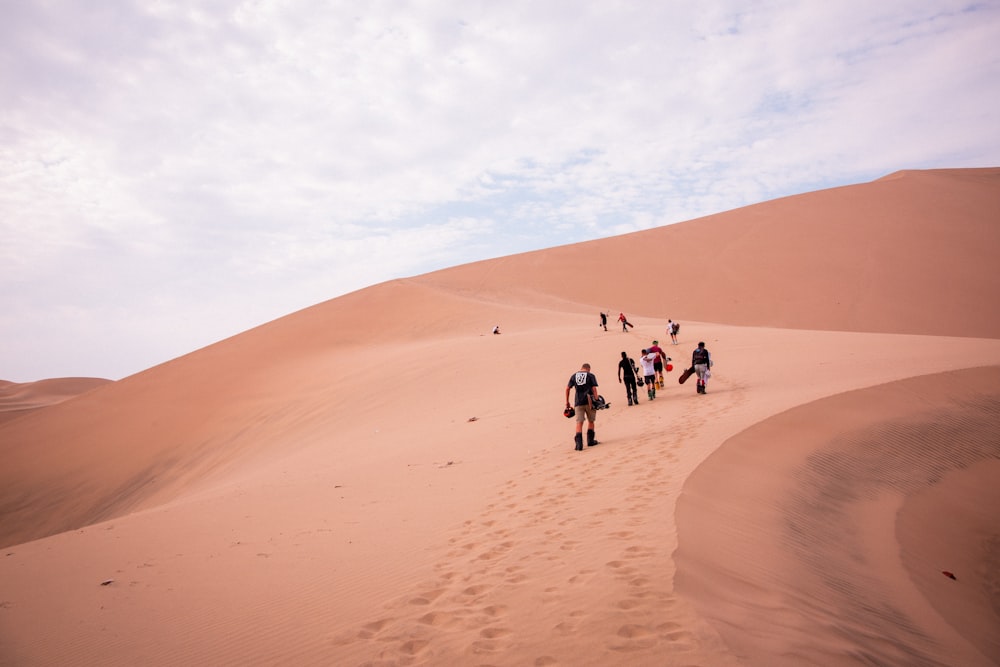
(685, 375)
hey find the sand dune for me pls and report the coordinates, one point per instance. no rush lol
(904, 254)
(378, 480)
(20, 398)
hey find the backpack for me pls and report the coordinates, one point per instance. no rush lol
(676, 328)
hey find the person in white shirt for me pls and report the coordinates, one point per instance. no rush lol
(648, 361)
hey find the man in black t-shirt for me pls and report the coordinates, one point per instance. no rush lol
(627, 369)
(585, 384)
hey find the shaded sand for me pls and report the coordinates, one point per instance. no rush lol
(831, 547)
(960, 510)
(378, 480)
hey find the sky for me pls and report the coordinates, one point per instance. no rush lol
(175, 173)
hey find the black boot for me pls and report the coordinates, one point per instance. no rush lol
(591, 440)
(579, 441)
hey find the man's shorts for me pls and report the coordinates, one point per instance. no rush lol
(658, 366)
(585, 412)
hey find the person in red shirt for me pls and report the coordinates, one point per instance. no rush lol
(661, 358)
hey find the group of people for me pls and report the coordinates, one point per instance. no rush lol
(653, 362)
(673, 328)
(626, 325)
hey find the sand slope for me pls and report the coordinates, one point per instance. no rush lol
(830, 530)
(905, 254)
(378, 480)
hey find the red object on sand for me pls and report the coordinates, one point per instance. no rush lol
(949, 575)
(669, 367)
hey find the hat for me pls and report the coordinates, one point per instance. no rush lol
(656, 342)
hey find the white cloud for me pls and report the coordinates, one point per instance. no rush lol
(161, 163)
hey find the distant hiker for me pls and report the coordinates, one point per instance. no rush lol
(626, 325)
(702, 362)
(647, 359)
(627, 369)
(585, 384)
(604, 320)
(496, 330)
(661, 358)
(673, 328)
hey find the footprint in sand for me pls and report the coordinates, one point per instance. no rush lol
(515, 577)
(497, 551)
(637, 638)
(413, 647)
(494, 633)
(636, 551)
(626, 605)
(564, 628)
(632, 631)
(427, 597)
(437, 619)
(370, 630)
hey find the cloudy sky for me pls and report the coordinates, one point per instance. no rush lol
(173, 173)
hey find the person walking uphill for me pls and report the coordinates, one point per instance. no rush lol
(702, 362)
(647, 360)
(627, 369)
(585, 384)
(661, 359)
(626, 325)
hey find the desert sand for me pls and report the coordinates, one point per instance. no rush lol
(378, 480)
